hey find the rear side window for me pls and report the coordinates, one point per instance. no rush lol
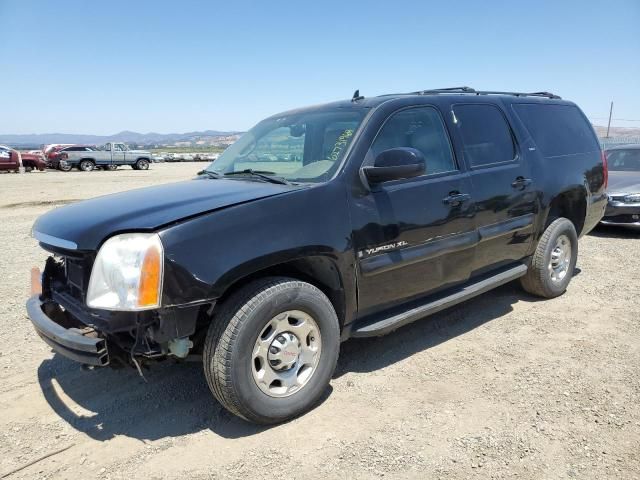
(486, 136)
(557, 130)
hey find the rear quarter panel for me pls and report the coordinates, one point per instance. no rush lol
(579, 174)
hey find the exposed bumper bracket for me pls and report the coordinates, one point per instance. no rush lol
(69, 342)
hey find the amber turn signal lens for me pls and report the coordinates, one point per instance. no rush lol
(150, 278)
(36, 285)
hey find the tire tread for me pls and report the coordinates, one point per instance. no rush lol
(534, 281)
(224, 329)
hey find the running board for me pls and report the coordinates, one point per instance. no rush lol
(389, 324)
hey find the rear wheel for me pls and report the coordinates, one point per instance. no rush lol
(553, 262)
(271, 350)
(86, 165)
(141, 164)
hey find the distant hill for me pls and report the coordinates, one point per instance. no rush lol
(617, 132)
(124, 136)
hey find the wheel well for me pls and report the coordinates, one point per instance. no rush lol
(317, 270)
(570, 205)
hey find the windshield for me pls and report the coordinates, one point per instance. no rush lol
(624, 160)
(303, 147)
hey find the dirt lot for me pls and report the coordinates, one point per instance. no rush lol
(504, 386)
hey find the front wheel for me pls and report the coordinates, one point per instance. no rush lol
(553, 262)
(271, 350)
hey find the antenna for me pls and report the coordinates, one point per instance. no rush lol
(357, 96)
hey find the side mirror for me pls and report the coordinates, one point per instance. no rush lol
(396, 164)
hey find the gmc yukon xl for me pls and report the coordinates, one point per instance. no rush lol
(349, 219)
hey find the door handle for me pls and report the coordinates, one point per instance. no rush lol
(454, 199)
(521, 183)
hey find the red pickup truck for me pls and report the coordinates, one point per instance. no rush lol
(10, 160)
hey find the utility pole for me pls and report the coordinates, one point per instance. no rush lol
(609, 124)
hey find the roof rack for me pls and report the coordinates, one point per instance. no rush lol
(469, 90)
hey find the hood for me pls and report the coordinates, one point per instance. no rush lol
(84, 225)
(624, 182)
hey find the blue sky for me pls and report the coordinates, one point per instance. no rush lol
(104, 66)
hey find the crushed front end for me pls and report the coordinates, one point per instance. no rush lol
(101, 337)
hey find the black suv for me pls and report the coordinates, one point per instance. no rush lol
(344, 220)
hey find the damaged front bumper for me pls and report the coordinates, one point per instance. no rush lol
(81, 345)
(107, 338)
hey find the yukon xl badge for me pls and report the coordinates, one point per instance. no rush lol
(382, 248)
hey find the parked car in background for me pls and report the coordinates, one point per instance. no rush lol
(157, 158)
(50, 150)
(623, 208)
(33, 161)
(399, 206)
(109, 157)
(62, 154)
(10, 160)
(204, 157)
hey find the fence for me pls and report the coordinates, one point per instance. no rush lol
(614, 141)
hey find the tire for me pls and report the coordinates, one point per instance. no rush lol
(542, 279)
(66, 168)
(110, 168)
(86, 165)
(142, 164)
(230, 355)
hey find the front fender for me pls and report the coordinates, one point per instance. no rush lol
(204, 256)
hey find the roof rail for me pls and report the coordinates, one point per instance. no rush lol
(471, 91)
(445, 90)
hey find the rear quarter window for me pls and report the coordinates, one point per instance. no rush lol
(557, 130)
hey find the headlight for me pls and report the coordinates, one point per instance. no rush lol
(632, 198)
(127, 274)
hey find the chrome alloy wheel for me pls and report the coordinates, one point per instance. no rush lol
(560, 258)
(286, 353)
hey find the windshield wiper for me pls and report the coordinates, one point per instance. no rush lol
(263, 174)
(209, 174)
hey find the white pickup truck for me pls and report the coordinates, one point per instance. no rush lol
(109, 157)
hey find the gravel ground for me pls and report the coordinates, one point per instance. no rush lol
(504, 386)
